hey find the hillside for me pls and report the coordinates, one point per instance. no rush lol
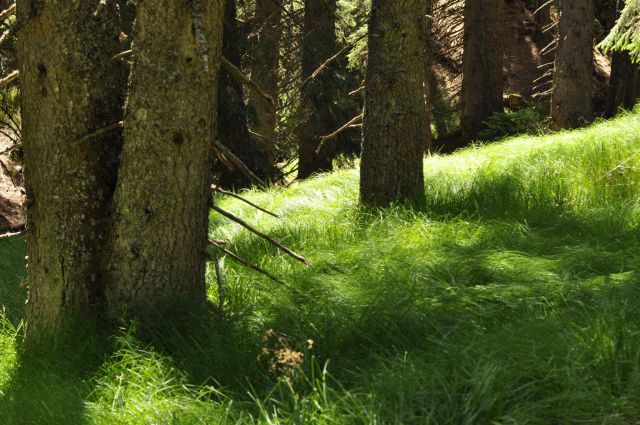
(512, 298)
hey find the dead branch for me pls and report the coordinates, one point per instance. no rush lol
(232, 162)
(239, 76)
(245, 263)
(10, 11)
(336, 133)
(122, 55)
(10, 78)
(246, 201)
(100, 132)
(262, 235)
(12, 235)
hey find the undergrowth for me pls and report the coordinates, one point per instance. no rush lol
(511, 299)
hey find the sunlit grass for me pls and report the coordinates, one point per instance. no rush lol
(512, 298)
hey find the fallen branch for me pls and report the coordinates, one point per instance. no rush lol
(245, 263)
(232, 162)
(336, 133)
(246, 201)
(262, 235)
(10, 78)
(239, 76)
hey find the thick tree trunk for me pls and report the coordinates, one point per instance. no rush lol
(70, 89)
(482, 64)
(161, 204)
(571, 100)
(233, 125)
(391, 168)
(317, 115)
(264, 71)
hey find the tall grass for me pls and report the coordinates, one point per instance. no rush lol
(512, 298)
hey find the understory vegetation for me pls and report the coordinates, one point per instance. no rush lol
(512, 298)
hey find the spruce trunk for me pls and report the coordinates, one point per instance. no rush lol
(571, 100)
(482, 64)
(161, 204)
(391, 168)
(317, 115)
(70, 88)
(264, 71)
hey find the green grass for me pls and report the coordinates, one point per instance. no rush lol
(512, 299)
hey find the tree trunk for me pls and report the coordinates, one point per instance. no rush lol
(391, 168)
(624, 80)
(264, 71)
(624, 83)
(233, 126)
(571, 100)
(161, 205)
(482, 64)
(70, 89)
(317, 115)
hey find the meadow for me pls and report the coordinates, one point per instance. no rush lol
(512, 298)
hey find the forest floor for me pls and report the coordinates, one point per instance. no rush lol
(511, 299)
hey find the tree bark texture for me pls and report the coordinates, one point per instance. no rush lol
(159, 237)
(482, 64)
(318, 111)
(233, 125)
(264, 71)
(571, 100)
(70, 89)
(394, 128)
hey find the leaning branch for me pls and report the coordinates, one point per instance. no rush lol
(238, 75)
(262, 235)
(219, 245)
(233, 162)
(10, 11)
(336, 133)
(246, 201)
(12, 235)
(10, 78)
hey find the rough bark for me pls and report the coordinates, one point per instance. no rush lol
(391, 168)
(160, 215)
(571, 100)
(482, 64)
(70, 88)
(233, 126)
(318, 118)
(264, 71)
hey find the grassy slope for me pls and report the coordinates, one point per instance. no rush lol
(511, 299)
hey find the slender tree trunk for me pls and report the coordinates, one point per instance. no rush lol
(318, 117)
(264, 71)
(571, 100)
(161, 204)
(233, 125)
(391, 168)
(70, 89)
(482, 64)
